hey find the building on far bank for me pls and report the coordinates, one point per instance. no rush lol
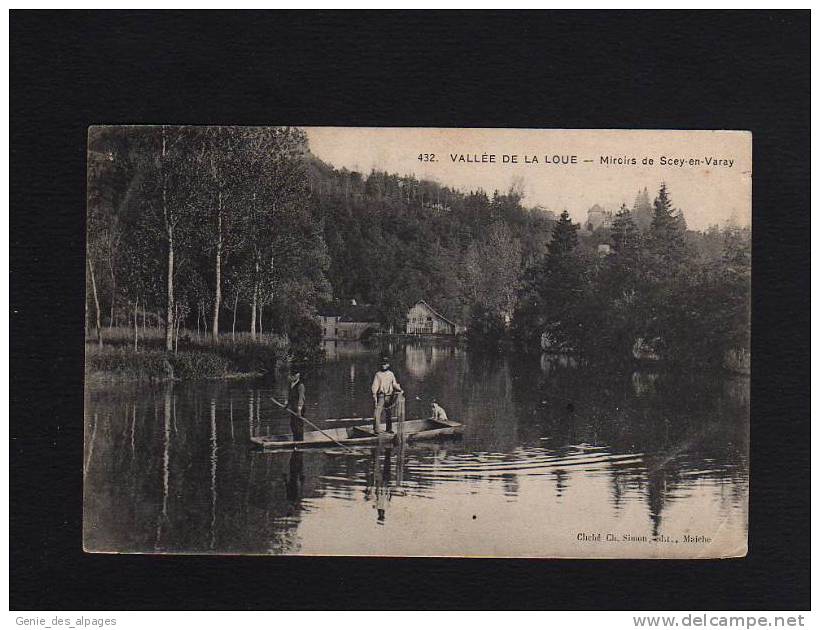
(423, 319)
(345, 320)
(597, 217)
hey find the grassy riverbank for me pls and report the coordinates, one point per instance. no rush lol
(197, 356)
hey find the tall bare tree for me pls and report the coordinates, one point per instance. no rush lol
(225, 182)
(275, 159)
(171, 200)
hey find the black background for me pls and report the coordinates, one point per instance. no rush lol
(681, 70)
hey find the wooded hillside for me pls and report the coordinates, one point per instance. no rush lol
(226, 229)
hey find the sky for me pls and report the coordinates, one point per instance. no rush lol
(708, 194)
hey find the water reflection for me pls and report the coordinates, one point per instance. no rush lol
(294, 481)
(381, 483)
(545, 453)
(422, 358)
(214, 461)
(551, 362)
(643, 382)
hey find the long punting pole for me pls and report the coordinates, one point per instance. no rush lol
(293, 413)
(400, 414)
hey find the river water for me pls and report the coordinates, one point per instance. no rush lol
(554, 456)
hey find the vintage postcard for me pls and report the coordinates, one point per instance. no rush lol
(417, 342)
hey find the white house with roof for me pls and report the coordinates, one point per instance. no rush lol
(423, 319)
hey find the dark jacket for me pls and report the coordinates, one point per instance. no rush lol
(296, 396)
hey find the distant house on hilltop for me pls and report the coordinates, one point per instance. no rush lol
(598, 217)
(345, 320)
(423, 319)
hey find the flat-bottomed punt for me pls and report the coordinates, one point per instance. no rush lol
(419, 429)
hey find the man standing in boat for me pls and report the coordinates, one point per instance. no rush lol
(384, 389)
(296, 403)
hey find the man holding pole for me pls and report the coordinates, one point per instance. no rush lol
(384, 389)
(296, 403)
(295, 406)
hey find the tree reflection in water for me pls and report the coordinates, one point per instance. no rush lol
(168, 467)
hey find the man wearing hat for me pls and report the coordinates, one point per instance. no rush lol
(384, 388)
(296, 403)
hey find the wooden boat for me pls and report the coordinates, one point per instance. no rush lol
(363, 434)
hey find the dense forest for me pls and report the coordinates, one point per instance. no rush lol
(663, 291)
(394, 240)
(231, 230)
(206, 228)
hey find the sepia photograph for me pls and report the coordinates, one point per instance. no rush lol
(349, 341)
